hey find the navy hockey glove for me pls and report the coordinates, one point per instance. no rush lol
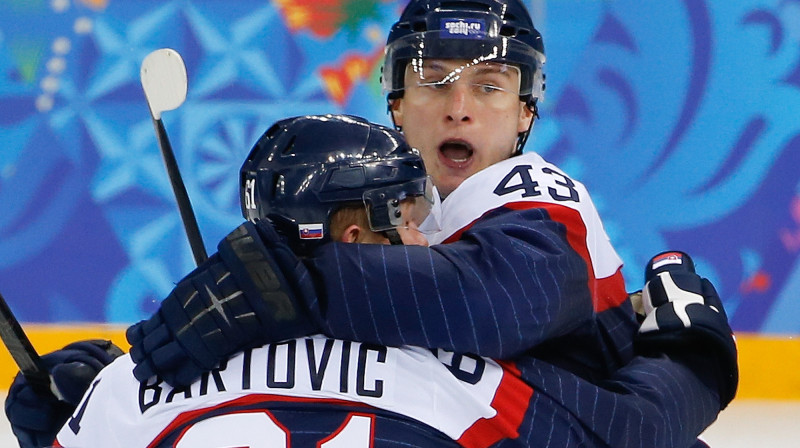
(251, 292)
(35, 416)
(682, 310)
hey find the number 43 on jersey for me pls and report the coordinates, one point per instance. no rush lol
(560, 187)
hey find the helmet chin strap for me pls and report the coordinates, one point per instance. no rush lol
(393, 237)
(389, 102)
(523, 136)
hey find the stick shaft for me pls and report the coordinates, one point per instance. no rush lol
(21, 349)
(181, 196)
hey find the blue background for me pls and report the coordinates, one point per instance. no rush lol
(681, 117)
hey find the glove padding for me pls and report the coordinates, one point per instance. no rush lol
(37, 416)
(683, 310)
(253, 291)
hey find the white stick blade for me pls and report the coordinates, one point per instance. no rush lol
(163, 76)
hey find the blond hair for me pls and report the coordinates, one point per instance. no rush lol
(349, 214)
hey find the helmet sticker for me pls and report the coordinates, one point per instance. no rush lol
(462, 28)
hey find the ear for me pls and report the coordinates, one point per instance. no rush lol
(525, 118)
(350, 234)
(396, 108)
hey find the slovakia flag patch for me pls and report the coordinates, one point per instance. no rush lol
(310, 231)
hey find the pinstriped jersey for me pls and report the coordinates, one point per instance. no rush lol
(526, 274)
(311, 391)
(522, 270)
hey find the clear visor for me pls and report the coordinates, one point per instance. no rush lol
(490, 83)
(406, 205)
(424, 51)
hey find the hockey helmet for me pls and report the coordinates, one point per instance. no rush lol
(303, 169)
(499, 31)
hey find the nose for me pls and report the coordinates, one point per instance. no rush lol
(459, 105)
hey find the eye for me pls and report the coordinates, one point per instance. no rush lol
(488, 88)
(436, 85)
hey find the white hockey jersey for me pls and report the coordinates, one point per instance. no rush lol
(462, 398)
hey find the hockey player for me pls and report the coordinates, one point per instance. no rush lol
(304, 174)
(316, 178)
(533, 267)
(526, 271)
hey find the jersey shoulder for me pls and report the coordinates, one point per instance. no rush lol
(524, 181)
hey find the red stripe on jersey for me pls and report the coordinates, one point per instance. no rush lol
(607, 292)
(511, 401)
(610, 292)
(457, 235)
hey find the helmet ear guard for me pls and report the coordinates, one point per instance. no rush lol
(533, 105)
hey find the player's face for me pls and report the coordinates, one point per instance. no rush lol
(461, 117)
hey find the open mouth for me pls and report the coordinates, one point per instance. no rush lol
(458, 151)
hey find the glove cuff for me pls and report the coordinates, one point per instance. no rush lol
(259, 277)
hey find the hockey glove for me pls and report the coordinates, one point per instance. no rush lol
(682, 310)
(36, 417)
(251, 292)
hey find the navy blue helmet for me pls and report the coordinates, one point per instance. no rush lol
(305, 168)
(475, 30)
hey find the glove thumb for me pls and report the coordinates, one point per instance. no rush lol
(72, 380)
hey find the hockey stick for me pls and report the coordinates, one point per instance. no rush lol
(21, 349)
(163, 76)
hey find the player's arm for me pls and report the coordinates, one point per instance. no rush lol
(659, 400)
(669, 396)
(686, 373)
(687, 370)
(465, 296)
(510, 282)
(530, 263)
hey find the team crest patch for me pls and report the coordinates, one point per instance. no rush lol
(311, 231)
(463, 28)
(667, 258)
